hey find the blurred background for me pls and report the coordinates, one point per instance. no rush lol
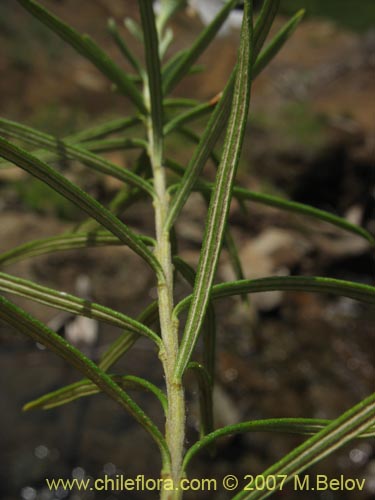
(311, 138)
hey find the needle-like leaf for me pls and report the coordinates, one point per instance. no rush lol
(242, 194)
(167, 9)
(203, 151)
(179, 65)
(277, 42)
(315, 284)
(205, 373)
(192, 114)
(74, 305)
(85, 388)
(68, 241)
(123, 343)
(205, 397)
(60, 147)
(123, 46)
(153, 71)
(341, 431)
(304, 426)
(80, 198)
(221, 195)
(26, 324)
(89, 49)
(263, 24)
(220, 114)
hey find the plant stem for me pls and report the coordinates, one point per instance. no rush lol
(175, 419)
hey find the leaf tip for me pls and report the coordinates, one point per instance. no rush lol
(28, 407)
(111, 24)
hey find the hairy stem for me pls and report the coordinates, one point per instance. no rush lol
(175, 421)
(153, 96)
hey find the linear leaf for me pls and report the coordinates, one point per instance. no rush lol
(123, 46)
(219, 115)
(205, 397)
(202, 152)
(315, 284)
(205, 373)
(96, 132)
(242, 194)
(85, 388)
(304, 426)
(338, 433)
(123, 343)
(168, 8)
(26, 324)
(125, 196)
(103, 129)
(264, 23)
(151, 44)
(221, 195)
(60, 147)
(234, 257)
(74, 305)
(84, 201)
(301, 208)
(180, 102)
(165, 41)
(179, 65)
(209, 339)
(68, 241)
(89, 49)
(134, 29)
(192, 114)
(277, 43)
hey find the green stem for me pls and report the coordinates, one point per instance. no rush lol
(175, 418)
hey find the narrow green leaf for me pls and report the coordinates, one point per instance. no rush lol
(125, 197)
(218, 117)
(234, 257)
(85, 388)
(123, 343)
(301, 208)
(104, 129)
(89, 49)
(68, 241)
(209, 352)
(179, 65)
(341, 431)
(205, 398)
(221, 196)
(242, 194)
(165, 42)
(315, 284)
(133, 28)
(26, 324)
(190, 115)
(60, 147)
(277, 43)
(180, 102)
(84, 201)
(304, 426)
(108, 145)
(203, 151)
(153, 71)
(264, 23)
(167, 9)
(123, 46)
(91, 133)
(74, 305)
